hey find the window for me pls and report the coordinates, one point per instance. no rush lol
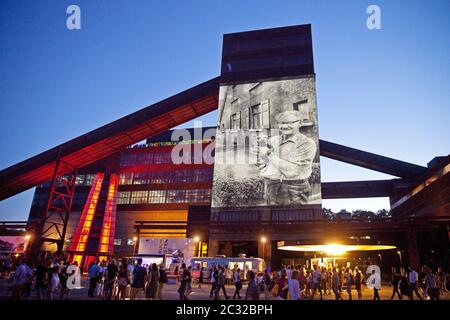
(286, 216)
(235, 121)
(138, 197)
(239, 216)
(130, 242)
(140, 178)
(89, 179)
(123, 197)
(256, 117)
(156, 196)
(176, 196)
(117, 242)
(126, 178)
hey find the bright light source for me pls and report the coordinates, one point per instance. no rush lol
(135, 239)
(263, 239)
(27, 237)
(334, 249)
(399, 252)
(196, 239)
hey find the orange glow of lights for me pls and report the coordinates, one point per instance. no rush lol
(106, 244)
(84, 226)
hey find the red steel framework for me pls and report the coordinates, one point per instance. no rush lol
(54, 224)
(81, 236)
(106, 244)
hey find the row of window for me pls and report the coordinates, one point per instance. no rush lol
(165, 196)
(142, 158)
(174, 176)
(81, 180)
(277, 216)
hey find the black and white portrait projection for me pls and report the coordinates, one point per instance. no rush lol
(267, 148)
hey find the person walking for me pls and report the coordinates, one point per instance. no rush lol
(431, 285)
(413, 284)
(221, 284)
(376, 283)
(213, 273)
(395, 280)
(237, 283)
(404, 283)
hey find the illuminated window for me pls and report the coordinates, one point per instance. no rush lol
(124, 197)
(140, 178)
(126, 178)
(156, 196)
(176, 196)
(117, 242)
(138, 197)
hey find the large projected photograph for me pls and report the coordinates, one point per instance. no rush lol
(267, 145)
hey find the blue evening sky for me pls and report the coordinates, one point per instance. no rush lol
(385, 91)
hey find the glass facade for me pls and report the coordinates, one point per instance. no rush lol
(165, 196)
(170, 176)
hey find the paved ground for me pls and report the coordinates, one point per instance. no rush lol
(170, 292)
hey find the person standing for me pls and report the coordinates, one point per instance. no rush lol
(237, 283)
(54, 283)
(161, 281)
(138, 284)
(316, 282)
(183, 282)
(252, 292)
(200, 278)
(124, 280)
(335, 279)
(94, 272)
(42, 280)
(152, 284)
(293, 286)
(348, 282)
(431, 285)
(395, 280)
(404, 283)
(110, 278)
(267, 283)
(358, 281)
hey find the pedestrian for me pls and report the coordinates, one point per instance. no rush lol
(200, 278)
(404, 283)
(213, 273)
(358, 282)
(431, 284)
(94, 273)
(161, 281)
(335, 284)
(138, 284)
(348, 282)
(123, 280)
(283, 287)
(237, 283)
(267, 284)
(54, 283)
(413, 284)
(316, 282)
(376, 283)
(293, 286)
(395, 280)
(110, 279)
(442, 280)
(183, 282)
(42, 280)
(221, 284)
(176, 272)
(152, 282)
(252, 292)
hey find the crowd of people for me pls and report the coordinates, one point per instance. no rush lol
(129, 279)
